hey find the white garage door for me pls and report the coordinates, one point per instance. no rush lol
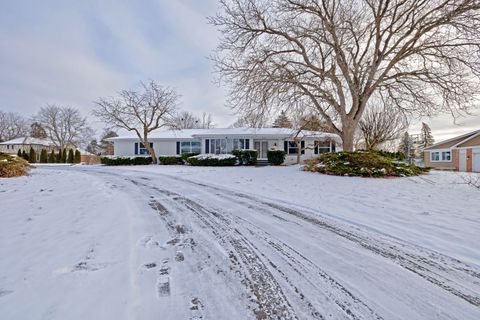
(476, 160)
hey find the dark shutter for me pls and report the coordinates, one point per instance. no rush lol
(207, 145)
(333, 146)
(178, 147)
(302, 147)
(247, 143)
(285, 146)
(315, 150)
(136, 148)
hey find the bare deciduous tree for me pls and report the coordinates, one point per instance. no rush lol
(37, 131)
(207, 121)
(64, 126)
(12, 125)
(143, 111)
(380, 125)
(417, 55)
(185, 120)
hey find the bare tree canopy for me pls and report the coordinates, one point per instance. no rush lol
(64, 126)
(150, 108)
(37, 131)
(187, 120)
(12, 125)
(380, 125)
(418, 55)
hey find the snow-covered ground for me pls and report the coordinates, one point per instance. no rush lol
(179, 242)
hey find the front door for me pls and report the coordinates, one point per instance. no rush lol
(262, 148)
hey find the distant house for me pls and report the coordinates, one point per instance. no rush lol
(461, 153)
(24, 144)
(222, 141)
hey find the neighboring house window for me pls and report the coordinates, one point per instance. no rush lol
(441, 156)
(140, 148)
(221, 146)
(190, 147)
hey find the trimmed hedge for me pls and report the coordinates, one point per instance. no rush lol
(362, 164)
(168, 160)
(126, 161)
(212, 160)
(246, 157)
(187, 155)
(11, 166)
(276, 157)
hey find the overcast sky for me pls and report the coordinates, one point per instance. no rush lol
(72, 52)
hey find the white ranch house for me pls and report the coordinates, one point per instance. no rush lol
(223, 141)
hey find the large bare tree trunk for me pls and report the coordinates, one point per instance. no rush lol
(348, 136)
(147, 146)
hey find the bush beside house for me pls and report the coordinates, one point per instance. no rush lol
(213, 160)
(169, 160)
(126, 161)
(11, 166)
(246, 157)
(187, 155)
(363, 164)
(276, 157)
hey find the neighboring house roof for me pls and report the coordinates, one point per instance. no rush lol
(279, 133)
(29, 141)
(454, 142)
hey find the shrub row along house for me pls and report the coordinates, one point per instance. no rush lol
(461, 153)
(298, 145)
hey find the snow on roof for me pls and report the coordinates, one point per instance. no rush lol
(466, 136)
(221, 132)
(28, 140)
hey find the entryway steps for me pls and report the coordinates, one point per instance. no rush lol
(262, 163)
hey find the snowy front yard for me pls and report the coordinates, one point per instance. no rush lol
(178, 242)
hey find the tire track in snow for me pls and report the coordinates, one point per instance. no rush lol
(438, 269)
(260, 280)
(268, 295)
(452, 275)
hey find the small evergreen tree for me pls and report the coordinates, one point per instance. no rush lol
(70, 156)
(64, 156)
(43, 156)
(426, 136)
(78, 156)
(32, 156)
(24, 154)
(282, 121)
(58, 158)
(19, 153)
(52, 157)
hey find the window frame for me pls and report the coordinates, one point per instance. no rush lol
(441, 155)
(226, 146)
(189, 147)
(142, 150)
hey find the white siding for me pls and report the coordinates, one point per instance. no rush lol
(126, 148)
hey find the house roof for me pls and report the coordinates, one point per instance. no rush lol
(280, 133)
(28, 140)
(453, 142)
